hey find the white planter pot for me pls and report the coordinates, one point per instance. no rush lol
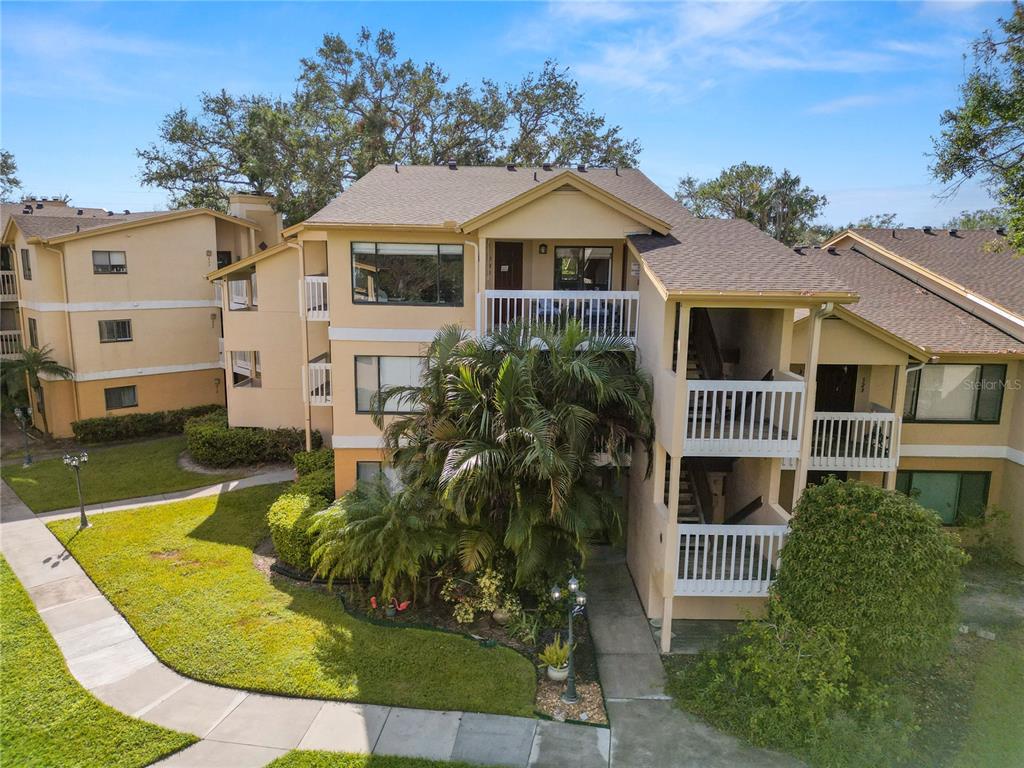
(558, 674)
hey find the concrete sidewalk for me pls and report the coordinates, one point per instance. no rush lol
(648, 730)
(239, 728)
(263, 478)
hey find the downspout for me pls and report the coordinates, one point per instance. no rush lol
(67, 327)
(305, 347)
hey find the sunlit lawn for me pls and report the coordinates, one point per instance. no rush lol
(124, 472)
(183, 575)
(46, 717)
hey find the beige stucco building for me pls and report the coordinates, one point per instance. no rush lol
(121, 300)
(770, 366)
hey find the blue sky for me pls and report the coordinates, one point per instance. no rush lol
(845, 94)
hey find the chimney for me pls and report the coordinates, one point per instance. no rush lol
(260, 210)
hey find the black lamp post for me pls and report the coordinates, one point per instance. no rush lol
(577, 602)
(75, 462)
(24, 415)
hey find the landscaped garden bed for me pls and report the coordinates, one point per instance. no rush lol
(183, 575)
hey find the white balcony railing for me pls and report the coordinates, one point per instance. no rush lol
(854, 441)
(602, 313)
(316, 297)
(728, 560)
(10, 344)
(743, 418)
(320, 384)
(8, 285)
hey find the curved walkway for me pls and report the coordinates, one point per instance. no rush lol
(239, 729)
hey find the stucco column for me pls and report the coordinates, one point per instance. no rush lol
(307, 406)
(899, 398)
(810, 391)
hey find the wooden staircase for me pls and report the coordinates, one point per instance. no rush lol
(690, 508)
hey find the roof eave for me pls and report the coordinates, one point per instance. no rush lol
(251, 259)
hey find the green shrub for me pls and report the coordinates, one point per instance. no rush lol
(310, 461)
(289, 519)
(107, 429)
(783, 684)
(320, 482)
(212, 442)
(876, 565)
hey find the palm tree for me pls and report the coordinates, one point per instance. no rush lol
(27, 368)
(504, 432)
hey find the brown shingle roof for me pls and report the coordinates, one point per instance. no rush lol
(430, 195)
(730, 255)
(46, 226)
(962, 258)
(49, 209)
(909, 311)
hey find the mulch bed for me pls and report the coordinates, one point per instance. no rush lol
(590, 707)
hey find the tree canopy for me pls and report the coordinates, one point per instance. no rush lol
(776, 203)
(982, 218)
(983, 136)
(9, 181)
(359, 104)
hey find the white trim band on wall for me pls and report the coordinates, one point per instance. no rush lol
(120, 306)
(962, 452)
(382, 334)
(127, 373)
(357, 441)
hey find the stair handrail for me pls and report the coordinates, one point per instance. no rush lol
(705, 344)
(702, 496)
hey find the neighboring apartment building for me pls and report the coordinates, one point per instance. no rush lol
(736, 331)
(121, 300)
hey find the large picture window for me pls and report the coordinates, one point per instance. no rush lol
(579, 268)
(109, 263)
(407, 273)
(374, 374)
(963, 393)
(952, 495)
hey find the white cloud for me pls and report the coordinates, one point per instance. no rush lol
(582, 11)
(844, 103)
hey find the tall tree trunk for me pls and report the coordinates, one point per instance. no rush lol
(42, 411)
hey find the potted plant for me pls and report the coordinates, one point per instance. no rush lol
(556, 656)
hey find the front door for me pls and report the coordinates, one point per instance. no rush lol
(837, 388)
(508, 266)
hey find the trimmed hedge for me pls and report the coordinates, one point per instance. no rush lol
(310, 461)
(289, 519)
(318, 483)
(212, 442)
(107, 429)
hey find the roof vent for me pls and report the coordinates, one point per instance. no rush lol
(451, 164)
(833, 251)
(126, 211)
(582, 168)
(1001, 231)
(953, 232)
(396, 167)
(78, 227)
(510, 167)
(80, 212)
(926, 229)
(38, 206)
(27, 209)
(616, 170)
(262, 246)
(110, 213)
(546, 166)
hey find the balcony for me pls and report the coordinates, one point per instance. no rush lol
(319, 383)
(601, 313)
(744, 418)
(8, 286)
(853, 442)
(10, 344)
(728, 560)
(316, 298)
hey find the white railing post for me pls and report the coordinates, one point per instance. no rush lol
(743, 418)
(8, 284)
(319, 384)
(601, 313)
(854, 441)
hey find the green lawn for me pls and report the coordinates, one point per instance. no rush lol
(125, 472)
(305, 759)
(183, 575)
(46, 717)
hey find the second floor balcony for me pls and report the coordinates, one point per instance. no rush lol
(10, 344)
(854, 442)
(601, 313)
(8, 285)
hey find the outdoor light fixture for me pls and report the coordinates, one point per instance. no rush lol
(24, 416)
(543, 248)
(74, 463)
(577, 603)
